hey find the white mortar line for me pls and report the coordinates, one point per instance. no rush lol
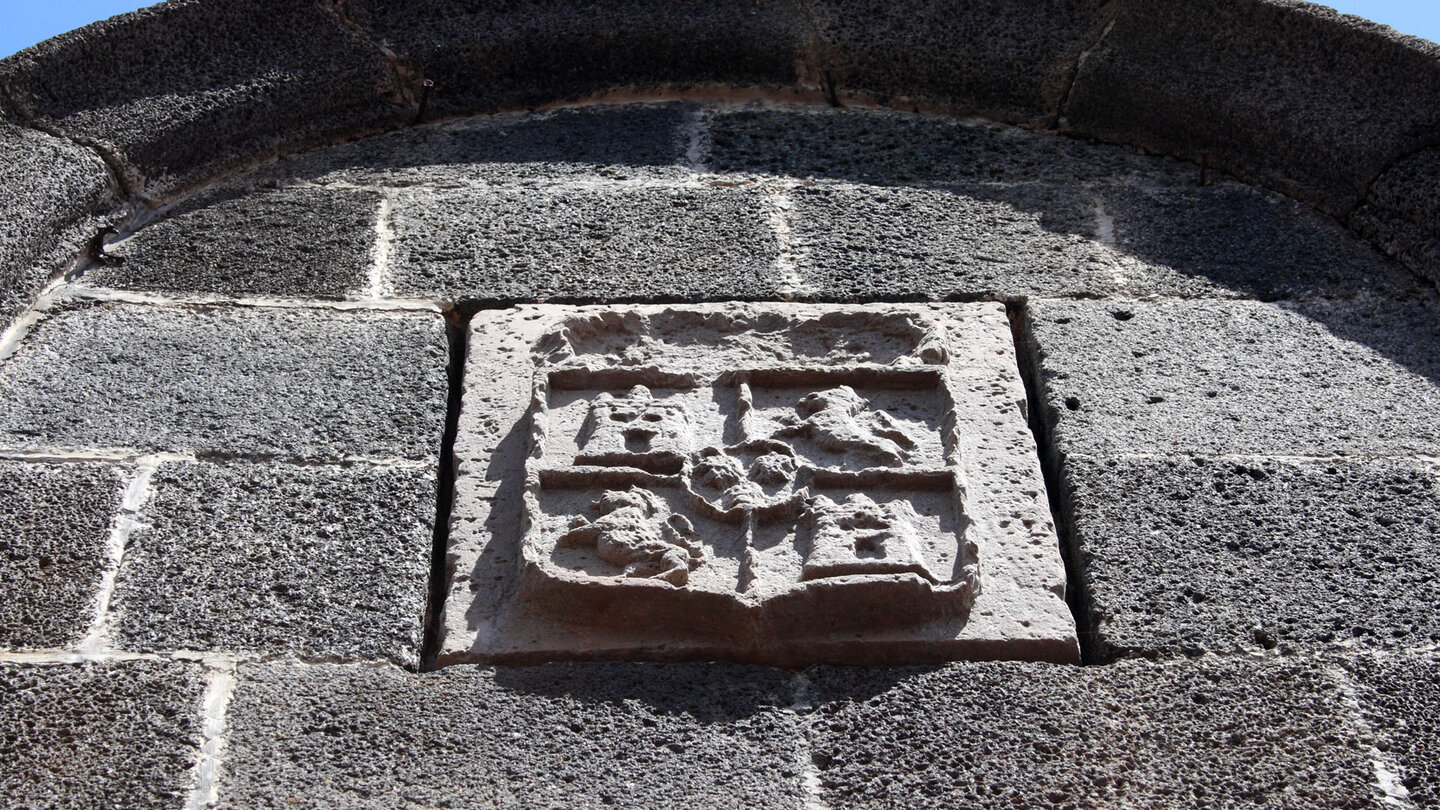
(697, 139)
(219, 688)
(809, 771)
(378, 305)
(1260, 457)
(137, 492)
(778, 209)
(1387, 779)
(380, 254)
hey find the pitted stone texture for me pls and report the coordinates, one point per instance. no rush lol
(122, 734)
(1400, 696)
(1401, 214)
(598, 735)
(183, 91)
(1004, 60)
(609, 142)
(1310, 102)
(1189, 555)
(56, 193)
(1239, 240)
(762, 483)
(299, 383)
(1315, 378)
(269, 559)
(860, 242)
(290, 243)
(887, 148)
(483, 57)
(632, 242)
(1194, 734)
(54, 524)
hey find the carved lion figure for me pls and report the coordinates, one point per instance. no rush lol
(837, 420)
(635, 530)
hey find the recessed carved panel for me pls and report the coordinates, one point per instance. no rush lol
(777, 483)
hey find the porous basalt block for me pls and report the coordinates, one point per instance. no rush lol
(1401, 213)
(777, 484)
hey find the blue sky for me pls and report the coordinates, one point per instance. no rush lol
(26, 22)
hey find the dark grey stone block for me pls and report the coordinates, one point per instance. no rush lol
(1187, 555)
(184, 91)
(632, 242)
(485, 56)
(56, 194)
(1314, 378)
(1233, 732)
(858, 242)
(293, 243)
(1401, 214)
(1400, 696)
(99, 735)
(54, 524)
(613, 142)
(998, 58)
(295, 383)
(887, 148)
(1310, 102)
(1238, 240)
(586, 735)
(311, 562)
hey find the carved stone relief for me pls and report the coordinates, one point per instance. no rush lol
(780, 484)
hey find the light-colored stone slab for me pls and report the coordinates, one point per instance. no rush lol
(783, 484)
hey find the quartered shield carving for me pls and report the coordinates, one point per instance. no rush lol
(763, 483)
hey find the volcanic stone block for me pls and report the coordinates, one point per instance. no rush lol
(1187, 555)
(1221, 732)
(294, 243)
(1005, 60)
(626, 242)
(1315, 378)
(54, 523)
(764, 483)
(857, 242)
(888, 148)
(55, 193)
(598, 735)
(1402, 212)
(1236, 239)
(122, 734)
(298, 383)
(184, 91)
(613, 142)
(1312, 103)
(270, 559)
(484, 57)
(1400, 695)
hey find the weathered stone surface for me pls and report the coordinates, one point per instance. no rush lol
(610, 242)
(777, 483)
(611, 142)
(183, 91)
(1005, 60)
(597, 735)
(1401, 214)
(858, 242)
(99, 735)
(1400, 696)
(54, 523)
(55, 194)
(1186, 555)
(887, 148)
(269, 559)
(1204, 734)
(484, 57)
(1240, 377)
(292, 243)
(1310, 102)
(294, 383)
(1239, 240)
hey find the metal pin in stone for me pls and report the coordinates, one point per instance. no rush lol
(425, 89)
(1204, 167)
(830, 90)
(96, 249)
